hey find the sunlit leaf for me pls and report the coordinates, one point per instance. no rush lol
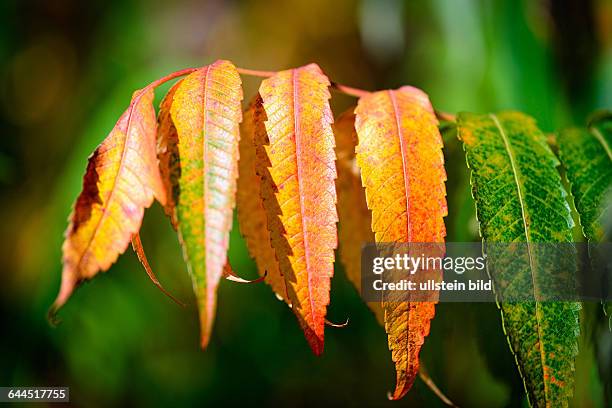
(199, 134)
(121, 180)
(402, 169)
(297, 164)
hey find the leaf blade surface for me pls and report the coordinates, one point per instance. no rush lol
(402, 170)
(520, 198)
(198, 155)
(121, 180)
(299, 191)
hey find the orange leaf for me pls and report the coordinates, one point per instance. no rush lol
(121, 180)
(251, 213)
(355, 228)
(402, 169)
(298, 190)
(198, 148)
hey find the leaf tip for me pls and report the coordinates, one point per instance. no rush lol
(315, 342)
(205, 329)
(204, 340)
(397, 394)
(66, 288)
(207, 308)
(403, 384)
(317, 348)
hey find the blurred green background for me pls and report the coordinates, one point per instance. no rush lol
(68, 69)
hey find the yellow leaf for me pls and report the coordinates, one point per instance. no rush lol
(402, 169)
(297, 165)
(121, 180)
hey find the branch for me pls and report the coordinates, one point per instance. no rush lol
(345, 89)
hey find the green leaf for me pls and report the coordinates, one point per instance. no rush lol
(586, 154)
(520, 198)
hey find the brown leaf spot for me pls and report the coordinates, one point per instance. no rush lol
(90, 194)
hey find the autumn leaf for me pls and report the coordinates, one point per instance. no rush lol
(198, 148)
(121, 180)
(520, 198)
(297, 164)
(402, 169)
(249, 201)
(355, 219)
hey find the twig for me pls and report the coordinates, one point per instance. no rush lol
(256, 73)
(170, 77)
(448, 117)
(345, 89)
(348, 90)
(434, 388)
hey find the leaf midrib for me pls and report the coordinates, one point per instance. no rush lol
(205, 164)
(400, 135)
(404, 165)
(597, 134)
(298, 156)
(114, 187)
(517, 174)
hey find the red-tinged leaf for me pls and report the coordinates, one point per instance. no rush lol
(297, 164)
(198, 147)
(402, 169)
(121, 180)
(355, 227)
(251, 213)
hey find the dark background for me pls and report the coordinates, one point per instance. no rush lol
(68, 68)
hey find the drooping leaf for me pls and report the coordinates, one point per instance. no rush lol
(121, 180)
(251, 213)
(586, 154)
(520, 198)
(297, 164)
(402, 169)
(355, 219)
(198, 142)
